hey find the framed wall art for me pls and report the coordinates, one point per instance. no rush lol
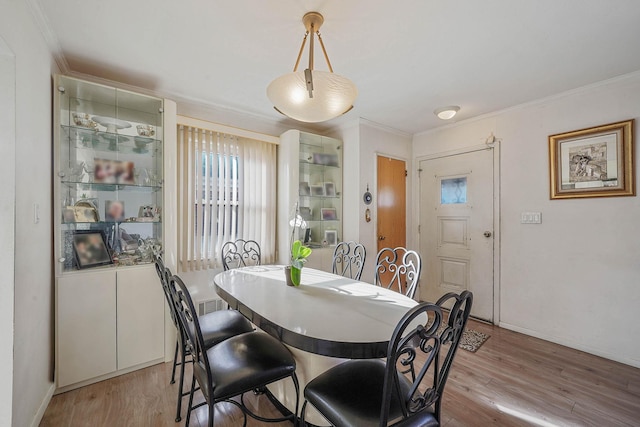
(593, 162)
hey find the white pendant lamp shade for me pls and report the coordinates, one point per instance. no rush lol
(333, 95)
(312, 95)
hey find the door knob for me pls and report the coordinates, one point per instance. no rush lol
(381, 238)
(487, 234)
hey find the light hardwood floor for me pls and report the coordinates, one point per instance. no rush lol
(513, 380)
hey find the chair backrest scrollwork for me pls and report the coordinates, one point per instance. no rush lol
(348, 259)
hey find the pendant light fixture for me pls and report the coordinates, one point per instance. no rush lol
(312, 95)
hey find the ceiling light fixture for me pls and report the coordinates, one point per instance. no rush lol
(312, 95)
(446, 113)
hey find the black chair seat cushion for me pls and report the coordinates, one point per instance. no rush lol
(220, 325)
(243, 363)
(350, 394)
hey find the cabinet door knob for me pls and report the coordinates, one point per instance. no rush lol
(487, 234)
(381, 238)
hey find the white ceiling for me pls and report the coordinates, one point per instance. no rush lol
(407, 57)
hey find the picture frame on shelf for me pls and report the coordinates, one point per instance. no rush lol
(328, 214)
(592, 162)
(317, 190)
(107, 171)
(304, 189)
(329, 189)
(114, 210)
(148, 213)
(82, 213)
(331, 237)
(90, 249)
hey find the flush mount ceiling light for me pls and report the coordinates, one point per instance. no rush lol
(312, 95)
(446, 113)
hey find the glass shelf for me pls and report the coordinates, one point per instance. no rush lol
(319, 166)
(93, 186)
(84, 223)
(95, 140)
(319, 197)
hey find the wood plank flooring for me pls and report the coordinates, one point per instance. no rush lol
(512, 380)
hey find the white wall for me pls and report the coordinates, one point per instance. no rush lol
(362, 145)
(7, 218)
(33, 339)
(574, 278)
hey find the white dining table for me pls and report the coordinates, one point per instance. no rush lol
(324, 321)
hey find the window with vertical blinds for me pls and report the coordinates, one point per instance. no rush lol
(226, 191)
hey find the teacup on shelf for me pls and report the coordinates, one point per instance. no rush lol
(146, 130)
(84, 120)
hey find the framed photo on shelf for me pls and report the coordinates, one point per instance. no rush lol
(90, 249)
(331, 237)
(317, 190)
(83, 213)
(113, 210)
(108, 171)
(329, 189)
(148, 213)
(328, 214)
(593, 162)
(304, 189)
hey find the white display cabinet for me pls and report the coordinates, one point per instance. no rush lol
(310, 176)
(109, 193)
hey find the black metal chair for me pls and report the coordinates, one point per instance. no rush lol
(216, 327)
(406, 390)
(240, 253)
(348, 259)
(239, 364)
(398, 268)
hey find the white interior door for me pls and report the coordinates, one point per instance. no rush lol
(456, 228)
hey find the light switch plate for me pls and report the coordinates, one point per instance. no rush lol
(531, 218)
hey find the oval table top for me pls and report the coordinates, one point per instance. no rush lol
(327, 314)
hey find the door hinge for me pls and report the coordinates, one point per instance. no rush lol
(406, 173)
(418, 229)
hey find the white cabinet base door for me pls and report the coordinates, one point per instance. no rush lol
(456, 222)
(86, 326)
(140, 316)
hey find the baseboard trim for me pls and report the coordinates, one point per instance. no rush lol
(43, 406)
(107, 376)
(572, 344)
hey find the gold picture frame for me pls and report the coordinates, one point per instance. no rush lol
(593, 162)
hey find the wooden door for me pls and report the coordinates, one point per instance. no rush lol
(391, 203)
(456, 222)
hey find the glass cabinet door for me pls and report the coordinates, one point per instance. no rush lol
(320, 189)
(109, 165)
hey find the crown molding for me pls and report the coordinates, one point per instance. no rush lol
(49, 36)
(385, 128)
(537, 102)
